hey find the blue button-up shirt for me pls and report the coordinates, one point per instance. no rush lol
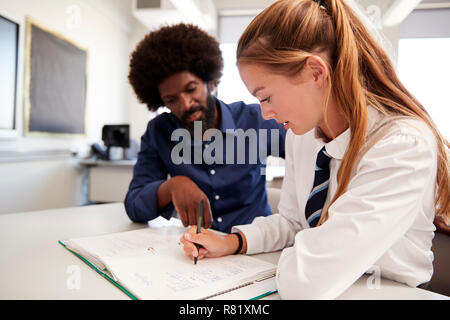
(234, 183)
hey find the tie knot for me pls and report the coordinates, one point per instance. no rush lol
(323, 159)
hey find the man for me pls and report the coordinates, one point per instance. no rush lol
(179, 67)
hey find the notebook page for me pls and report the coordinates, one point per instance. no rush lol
(129, 243)
(152, 265)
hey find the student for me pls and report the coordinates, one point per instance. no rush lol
(366, 168)
(179, 67)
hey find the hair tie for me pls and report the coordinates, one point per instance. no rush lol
(320, 3)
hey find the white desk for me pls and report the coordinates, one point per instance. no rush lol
(34, 266)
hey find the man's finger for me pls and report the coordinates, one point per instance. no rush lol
(192, 217)
(181, 214)
(184, 218)
(207, 219)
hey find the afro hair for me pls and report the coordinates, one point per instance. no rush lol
(169, 50)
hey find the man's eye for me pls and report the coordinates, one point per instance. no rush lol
(191, 89)
(265, 100)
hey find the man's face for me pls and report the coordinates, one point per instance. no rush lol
(189, 99)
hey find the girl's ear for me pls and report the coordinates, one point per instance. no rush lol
(318, 69)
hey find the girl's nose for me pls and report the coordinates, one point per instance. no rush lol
(267, 113)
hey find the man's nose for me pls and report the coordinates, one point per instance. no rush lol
(186, 102)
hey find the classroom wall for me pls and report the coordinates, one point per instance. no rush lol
(137, 112)
(42, 184)
(105, 28)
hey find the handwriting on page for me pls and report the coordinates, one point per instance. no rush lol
(155, 266)
(129, 243)
(207, 271)
(174, 275)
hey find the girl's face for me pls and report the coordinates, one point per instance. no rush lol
(298, 101)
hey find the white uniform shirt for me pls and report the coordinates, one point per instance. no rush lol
(384, 220)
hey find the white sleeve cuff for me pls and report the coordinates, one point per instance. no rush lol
(254, 237)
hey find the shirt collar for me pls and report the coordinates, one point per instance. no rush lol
(226, 121)
(338, 146)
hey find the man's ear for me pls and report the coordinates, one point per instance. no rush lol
(212, 87)
(318, 69)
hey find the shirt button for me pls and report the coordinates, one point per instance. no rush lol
(213, 172)
(217, 197)
(219, 219)
(206, 145)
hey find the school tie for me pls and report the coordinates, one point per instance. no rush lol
(318, 194)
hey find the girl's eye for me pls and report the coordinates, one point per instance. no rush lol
(265, 100)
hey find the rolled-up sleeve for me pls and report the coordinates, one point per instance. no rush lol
(141, 201)
(381, 203)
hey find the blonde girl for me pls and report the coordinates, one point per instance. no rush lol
(357, 139)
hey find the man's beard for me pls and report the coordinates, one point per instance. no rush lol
(207, 119)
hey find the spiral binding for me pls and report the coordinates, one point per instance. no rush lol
(238, 287)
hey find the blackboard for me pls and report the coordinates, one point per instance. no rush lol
(56, 83)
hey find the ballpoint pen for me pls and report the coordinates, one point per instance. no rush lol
(199, 227)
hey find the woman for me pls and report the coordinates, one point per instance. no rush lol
(366, 168)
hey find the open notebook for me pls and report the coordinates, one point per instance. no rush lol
(151, 264)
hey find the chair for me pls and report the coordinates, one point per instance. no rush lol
(440, 282)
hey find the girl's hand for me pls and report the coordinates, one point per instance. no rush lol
(212, 244)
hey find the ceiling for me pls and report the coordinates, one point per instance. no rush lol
(227, 7)
(240, 4)
(253, 7)
(436, 1)
(240, 7)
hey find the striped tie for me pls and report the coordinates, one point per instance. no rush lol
(318, 195)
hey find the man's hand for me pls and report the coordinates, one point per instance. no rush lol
(186, 197)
